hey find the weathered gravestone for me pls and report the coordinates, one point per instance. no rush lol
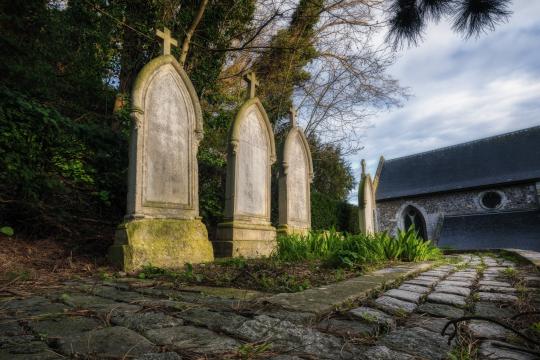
(366, 203)
(246, 230)
(294, 182)
(162, 225)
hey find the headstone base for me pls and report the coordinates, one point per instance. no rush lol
(244, 239)
(167, 243)
(292, 230)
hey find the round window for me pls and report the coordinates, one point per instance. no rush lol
(491, 200)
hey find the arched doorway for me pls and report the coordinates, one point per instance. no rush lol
(413, 217)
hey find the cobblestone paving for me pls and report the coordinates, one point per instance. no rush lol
(129, 319)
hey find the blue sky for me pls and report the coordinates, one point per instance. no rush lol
(461, 89)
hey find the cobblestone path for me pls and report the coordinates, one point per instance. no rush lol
(132, 319)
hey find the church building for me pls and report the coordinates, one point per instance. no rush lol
(476, 195)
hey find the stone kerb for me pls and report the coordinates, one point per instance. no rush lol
(246, 229)
(162, 225)
(294, 184)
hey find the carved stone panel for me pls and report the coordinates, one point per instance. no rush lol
(252, 161)
(167, 128)
(168, 125)
(294, 184)
(297, 181)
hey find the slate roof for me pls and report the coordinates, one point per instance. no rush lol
(507, 158)
(519, 229)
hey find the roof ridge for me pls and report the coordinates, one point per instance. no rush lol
(464, 143)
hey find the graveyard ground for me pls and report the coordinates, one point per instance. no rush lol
(392, 313)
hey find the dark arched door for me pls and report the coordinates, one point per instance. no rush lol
(413, 217)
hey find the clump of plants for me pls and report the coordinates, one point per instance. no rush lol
(346, 250)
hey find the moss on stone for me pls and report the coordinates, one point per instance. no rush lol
(167, 243)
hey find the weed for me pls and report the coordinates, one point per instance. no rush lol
(510, 273)
(18, 275)
(251, 351)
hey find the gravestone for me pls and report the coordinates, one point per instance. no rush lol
(294, 182)
(246, 229)
(367, 210)
(162, 226)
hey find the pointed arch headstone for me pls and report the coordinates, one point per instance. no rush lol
(295, 182)
(246, 229)
(162, 226)
(367, 208)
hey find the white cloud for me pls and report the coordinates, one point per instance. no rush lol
(462, 89)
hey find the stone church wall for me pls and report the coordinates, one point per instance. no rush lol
(434, 206)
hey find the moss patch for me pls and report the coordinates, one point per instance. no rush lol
(165, 243)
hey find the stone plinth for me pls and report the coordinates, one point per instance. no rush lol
(162, 225)
(246, 230)
(294, 184)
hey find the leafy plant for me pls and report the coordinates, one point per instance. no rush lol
(6, 230)
(345, 250)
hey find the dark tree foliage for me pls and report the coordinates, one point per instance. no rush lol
(281, 68)
(333, 175)
(408, 18)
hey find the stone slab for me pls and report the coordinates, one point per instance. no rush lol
(114, 341)
(394, 306)
(417, 342)
(435, 324)
(494, 283)
(495, 350)
(426, 283)
(64, 326)
(415, 288)
(487, 330)
(404, 295)
(498, 289)
(436, 273)
(448, 299)
(348, 328)
(373, 316)
(497, 297)
(441, 310)
(456, 290)
(456, 283)
(494, 310)
(383, 353)
(288, 337)
(192, 338)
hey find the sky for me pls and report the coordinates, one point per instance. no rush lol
(461, 89)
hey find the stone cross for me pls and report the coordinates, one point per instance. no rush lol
(292, 115)
(363, 163)
(252, 81)
(167, 40)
